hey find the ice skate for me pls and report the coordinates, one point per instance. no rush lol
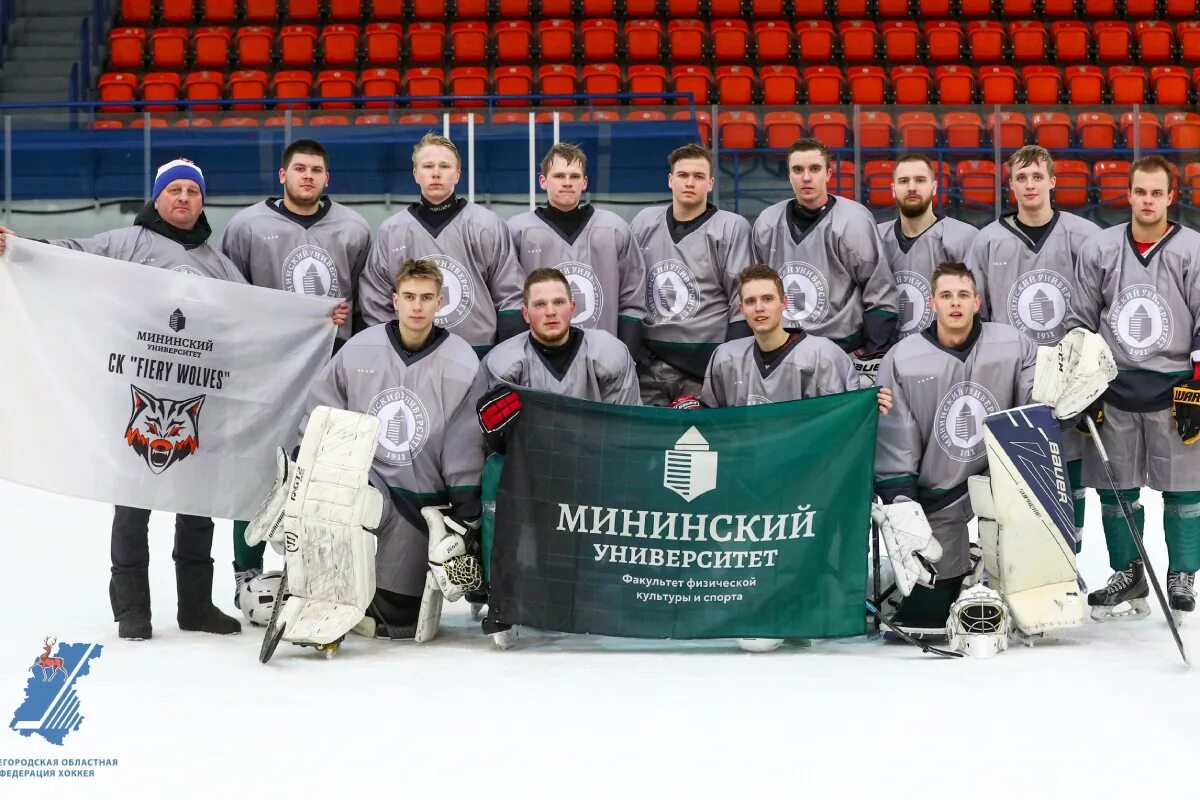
(240, 579)
(1124, 597)
(1181, 592)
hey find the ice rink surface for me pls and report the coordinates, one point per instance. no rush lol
(1106, 711)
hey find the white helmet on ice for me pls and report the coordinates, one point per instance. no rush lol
(978, 624)
(257, 597)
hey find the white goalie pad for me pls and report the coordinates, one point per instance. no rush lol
(1071, 375)
(326, 522)
(909, 542)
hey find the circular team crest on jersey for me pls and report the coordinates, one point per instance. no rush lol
(959, 423)
(309, 270)
(1140, 321)
(806, 292)
(1037, 305)
(403, 425)
(585, 291)
(914, 311)
(457, 297)
(757, 400)
(187, 269)
(671, 293)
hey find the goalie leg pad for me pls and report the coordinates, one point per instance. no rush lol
(430, 617)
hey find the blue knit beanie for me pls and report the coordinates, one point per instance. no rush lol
(173, 171)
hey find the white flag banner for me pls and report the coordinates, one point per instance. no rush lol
(149, 388)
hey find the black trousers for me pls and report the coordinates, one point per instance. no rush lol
(130, 539)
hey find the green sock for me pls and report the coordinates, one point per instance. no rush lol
(1078, 498)
(1121, 548)
(1181, 524)
(244, 556)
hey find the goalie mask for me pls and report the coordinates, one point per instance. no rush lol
(257, 597)
(978, 624)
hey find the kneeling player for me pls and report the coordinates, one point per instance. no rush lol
(944, 382)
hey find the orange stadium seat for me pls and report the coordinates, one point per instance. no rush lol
(877, 180)
(599, 39)
(127, 48)
(297, 45)
(868, 85)
(238, 122)
(891, 9)
(1127, 84)
(739, 130)
(643, 40)
(875, 129)
(1042, 84)
(556, 39)
(600, 115)
(337, 83)
(703, 124)
(1052, 130)
(1013, 128)
(255, 45)
(735, 85)
(725, 9)
(977, 183)
(513, 9)
(119, 88)
(1181, 9)
(955, 85)
(426, 43)
(1113, 179)
(814, 41)
(683, 9)
(1142, 131)
(161, 86)
(731, 41)
(641, 9)
(860, 41)
(1183, 132)
(469, 42)
(773, 9)
(599, 79)
(204, 85)
(780, 85)
(472, 9)
(1155, 42)
(513, 81)
(1071, 183)
(339, 44)
(210, 47)
(944, 40)
(1097, 130)
(845, 9)
(387, 10)
(1099, 9)
(998, 84)
(646, 115)
(1072, 40)
(379, 82)
(219, 12)
(558, 79)
(283, 120)
(695, 80)
(911, 85)
(248, 84)
(829, 127)
(424, 82)
(292, 83)
(514, 41)
(1029, 39)
(1085, 84)
(1141, 9)
(782, 128)
(647, 79)
(964, 130)
(985, 40)
(1017, 9)
(137, 12)
(510, 118)
(428, 11)
(823, 85)
(417, 119)
(301, 10)
(917, 130)
(329, 119)
(687, 40)
(975, 8)
(194, 122)
(382, 41)
(773, 41)
(934, 9)
(345, 10)
(1170, 85)
(593, 9)
(1113, 40)
(1054, 9)
(155, 122)
(901, 42)
(1191, 182)
(255, 12)
(466, 82)
(842, 181)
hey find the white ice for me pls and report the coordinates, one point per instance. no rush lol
(1107, 711)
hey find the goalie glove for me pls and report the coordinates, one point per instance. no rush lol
(498, 410)
(267, 525)
(1072, 375)
(866, 365)
(1185, 408)
(686, 402)
(909, 542)
(451, 560)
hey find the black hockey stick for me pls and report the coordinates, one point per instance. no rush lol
(1137, 539)
(876, 578)
(925, 648)
(274, 631)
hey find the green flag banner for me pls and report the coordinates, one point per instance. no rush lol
(662, 523)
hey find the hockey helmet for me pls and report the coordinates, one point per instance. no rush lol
(979, 622)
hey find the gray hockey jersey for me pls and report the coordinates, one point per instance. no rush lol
(1029, 285)
(932, 439)
(482, 280)
(1147, 308)
(430, 448)
(812, 366)
(691, 285)
(602, 262)
(323, 260)
(144, 246)
(601, 369)
(835, 274)
(913, 262)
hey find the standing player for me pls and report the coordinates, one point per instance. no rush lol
(827, 251)
(1138, 286)
(944, 382)
(419, 380)
(918, 240)
(1025, 266)
(593, 248)
(481, 286)
(694, 252)
(302, 242)
(557, 356)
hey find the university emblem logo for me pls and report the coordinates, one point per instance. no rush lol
(457, 294)
(309, 270)
(1140, 322)
(585, 291)
(1038, 304)
(403, 425)
(806, 292)
(959, 423)
(691, 467)
(914, 311)
(671, 293)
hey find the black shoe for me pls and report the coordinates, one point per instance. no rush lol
(129, 593)
(196, 609)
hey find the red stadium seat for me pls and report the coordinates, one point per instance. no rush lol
(911, 85)
(998, 84)
(773, 42)
(1052, 130)
(291, 83)
(600, 115)
(429, 11)
(814, 41)
(514, 41)
(155, 122)
(687, 41)
(860, 42)
(731, 41)
(891, 9)
(773, 9)
(735, 85)
(955, 85)
(841, 182)
(260, 12)
(973, 9)
(297, 45)
(210, 47)
(387, 10)
(646, 115)
(917, 130)
(283, 120)
(255, 44)
(248, 84)
(417, 119)
(426, 43)
(117, 87)
(127, 48)
(169, 48)
(1141, 9)
(336, 83)
(934, 9)
(204, 85)
(1113, 179)
(1056, 9)
(1012, 129)
(339, 43)
(379, 82)
(513, 81)
(847, 9)
(466, 82)
(218, 12)
(782, 128)
(647, 79)
(558, 79)
(725, 9)
(868, 85)
(694, 79)
(1085, 84)
(1072, 40)
(780, 85)
(901, 42)
(469, 42)
(641, 9)
(382, 41)
(1191, 182)
(1028, 39)
(345, 11)
(1155, 42)
(643, 40)
(1016, 9)
(514, 9)
(593, 9)
(510, 118)
(829, 127)
(301, 10)
(703, 122)
(1127, 84)
(599, 38)
(964, 130)
(877, 178)
(161, 86)
(372, 119)
(1113, 40)
(875, 129)
(238, 122)
(1071, 183)
(1183, 133)
(194, 122)
(556, 39)
(823, 85)
(602, 79)
(1097, 130)
(977, 183)
(1042, 84)
(424, 82)
(683, 9)
(944, 39)
(1142, 131)
(985, 40)
(1170, 85)
(1181, 9)
(739, 130)
(137, 12)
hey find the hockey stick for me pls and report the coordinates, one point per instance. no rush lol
(925, 648)
(1137, 539)
(274, 631)
(876, 578)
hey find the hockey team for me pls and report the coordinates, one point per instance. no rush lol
(451, 310)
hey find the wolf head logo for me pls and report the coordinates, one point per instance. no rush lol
(161, 430)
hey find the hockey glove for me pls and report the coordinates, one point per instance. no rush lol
(866, 365)
(909, 542)
(1185, 408)
(1096, 412)
(451, 542)
(1073, 374)
(498, 410)
(686, 402)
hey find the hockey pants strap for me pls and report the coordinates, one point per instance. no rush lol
(246, 556)
(1181, 524)
(1121, 548)
(1078, 494)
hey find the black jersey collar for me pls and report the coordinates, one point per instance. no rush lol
(306, 221)
(1010, 222)
(409, 357)
(1145, 258)
(558, 359)
(795, 337)
(799, 235)
(963, 350)
(554, 219)
(681, 230)
(905, 243)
